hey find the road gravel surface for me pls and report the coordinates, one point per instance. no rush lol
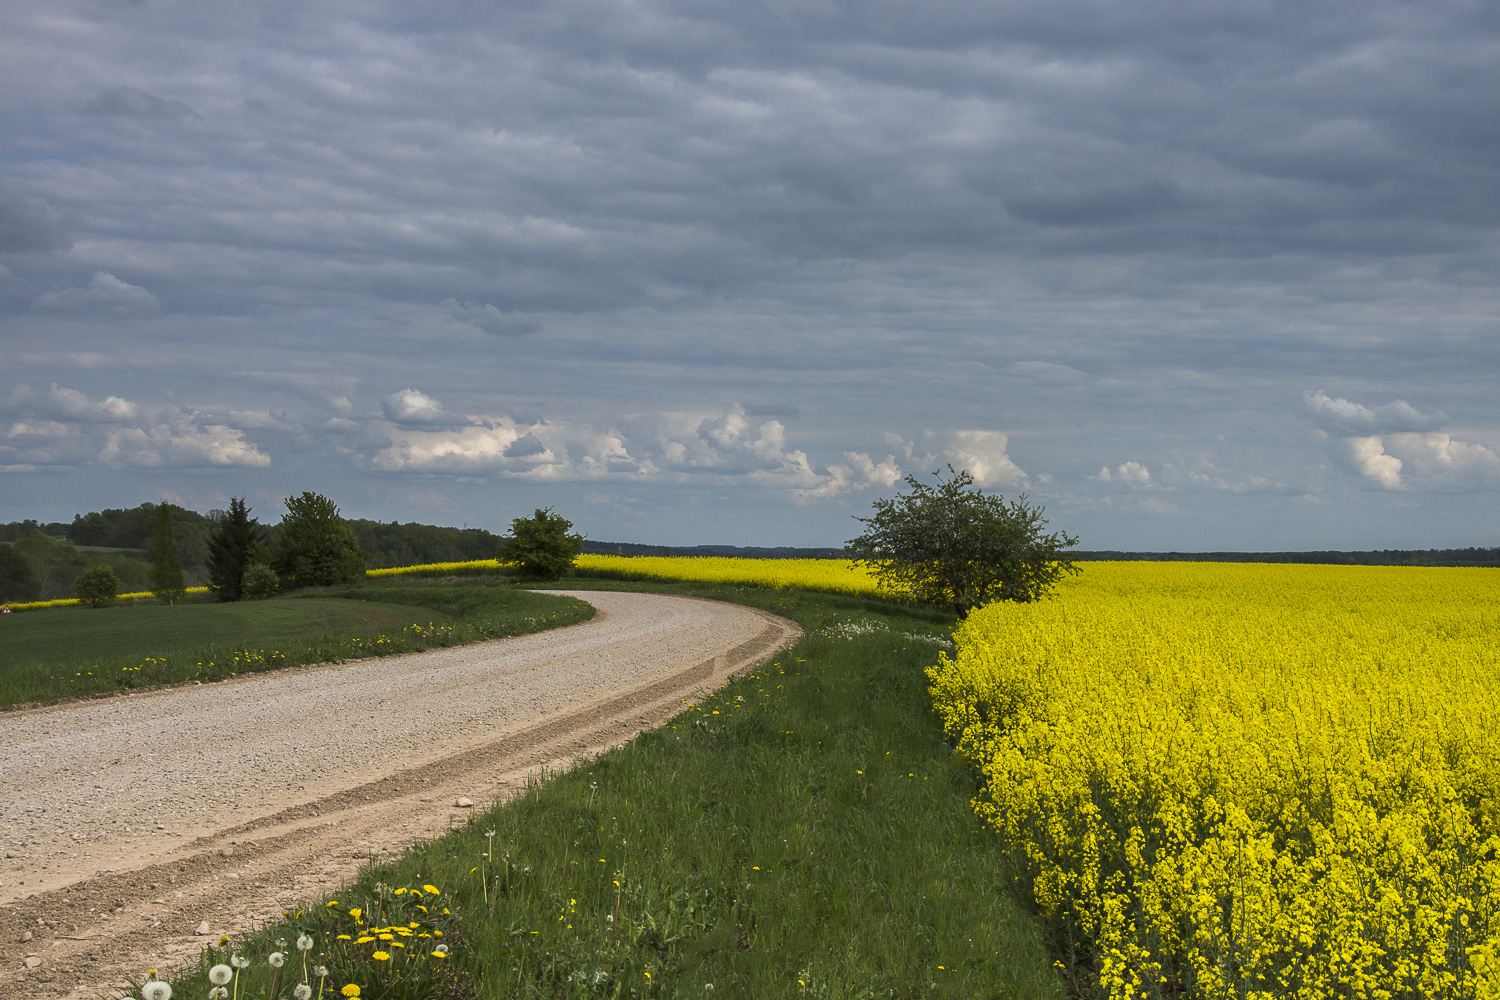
(130, 824)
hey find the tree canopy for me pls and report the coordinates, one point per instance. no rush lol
(166, 565)
(97, 586)
(540, 546)
(954, 546)
(233, 546)
(315, 545)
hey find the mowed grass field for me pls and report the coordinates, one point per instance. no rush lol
(74, 652)
(74, 635)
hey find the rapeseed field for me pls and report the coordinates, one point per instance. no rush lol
(833, 575)
(1231, 780)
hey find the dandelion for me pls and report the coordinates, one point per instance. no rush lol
(321, 971)
(220, 975)
(381, 956)
(432, 889)
(277, 959)
(350, 991)
(156, 991)
(238, 962)
(218, 993)
(302, 992)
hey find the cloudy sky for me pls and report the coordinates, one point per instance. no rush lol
(1193, 275)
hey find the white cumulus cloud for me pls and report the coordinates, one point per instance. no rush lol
(1341, 416)
(1130, 473)
(410, 406)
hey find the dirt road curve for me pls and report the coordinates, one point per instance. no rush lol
(126, 823)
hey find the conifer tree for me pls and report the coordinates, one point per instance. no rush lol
(166, 565)
(231, 549)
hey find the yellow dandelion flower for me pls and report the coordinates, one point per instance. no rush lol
(381, 956)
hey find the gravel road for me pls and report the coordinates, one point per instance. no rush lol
(125, 824)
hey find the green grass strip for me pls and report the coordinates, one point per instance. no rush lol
(805, 832)
(88, 651)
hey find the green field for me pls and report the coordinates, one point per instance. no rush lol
(804, 833)
(74, 635)
(72, 652)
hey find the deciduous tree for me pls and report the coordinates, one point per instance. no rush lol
(97, 586)
(540, 546)
(955, 546)
(316, 547)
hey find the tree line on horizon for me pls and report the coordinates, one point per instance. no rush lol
(43, 561)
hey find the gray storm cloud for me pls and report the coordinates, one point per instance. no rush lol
(1040, 240)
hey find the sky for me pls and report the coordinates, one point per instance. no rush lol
(1194, 276)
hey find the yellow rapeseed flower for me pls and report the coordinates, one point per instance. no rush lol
(1286, 771)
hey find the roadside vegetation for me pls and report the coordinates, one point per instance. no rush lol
(76, 651)
(803, 832)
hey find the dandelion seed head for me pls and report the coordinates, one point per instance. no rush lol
(302, 992)
(156, 991)
(220, 975)
(304, 943)
(277, 959)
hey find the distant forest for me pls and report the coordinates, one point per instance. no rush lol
(40, 561)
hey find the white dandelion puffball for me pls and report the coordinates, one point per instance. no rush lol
(220, 975)
(302, 992)
(321, 971)
(238, 962)
(218, 993)
(304, 943)
(277, 959)
(156, 991)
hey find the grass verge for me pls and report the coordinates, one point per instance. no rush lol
(86, 651)
(804, 832)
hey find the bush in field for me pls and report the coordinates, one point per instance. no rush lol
(260, 581)
(166, 564)
(540, 545)
(96, 586)
(317, 547)
(953, 546)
